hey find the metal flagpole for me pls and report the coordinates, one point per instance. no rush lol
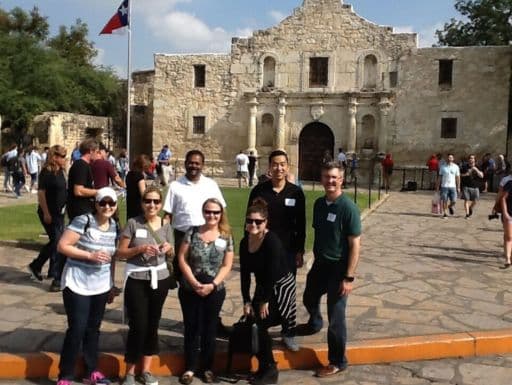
(128, 105)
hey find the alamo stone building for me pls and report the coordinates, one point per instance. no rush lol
(325, 78)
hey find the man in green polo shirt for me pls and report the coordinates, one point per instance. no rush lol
(337, 225)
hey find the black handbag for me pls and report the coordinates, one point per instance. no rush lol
(243, 339)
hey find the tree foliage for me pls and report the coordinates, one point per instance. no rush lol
(485, 22)
(39, 74)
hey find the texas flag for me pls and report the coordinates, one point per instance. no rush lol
(119, 20)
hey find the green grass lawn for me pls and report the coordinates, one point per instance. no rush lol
(21, 223)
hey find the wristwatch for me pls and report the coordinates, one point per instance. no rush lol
(348, 278)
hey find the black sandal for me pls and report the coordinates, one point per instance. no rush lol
(505, 266)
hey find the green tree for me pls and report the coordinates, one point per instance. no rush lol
(73, 45)
(485, 22)
(38, 74)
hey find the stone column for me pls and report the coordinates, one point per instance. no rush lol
(352, 125)
(251, 132)
(280, 132)
(384, 107)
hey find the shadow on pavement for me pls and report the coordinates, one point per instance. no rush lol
(481, 253)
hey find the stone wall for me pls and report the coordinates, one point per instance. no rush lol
(141, 140)
(66, 129)
(478, 99)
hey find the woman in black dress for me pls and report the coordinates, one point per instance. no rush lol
(135, 186)
(262, 253)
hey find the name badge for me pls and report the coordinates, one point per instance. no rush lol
(331, 217)
(220, 244)
(94, 234)
(141, 233)
(289, 202)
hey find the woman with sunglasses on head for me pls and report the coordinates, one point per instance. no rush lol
(145, 244)
(51, 196)
(262, 253)
(205, 259)
(89, 242)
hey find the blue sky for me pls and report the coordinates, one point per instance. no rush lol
(178, 26)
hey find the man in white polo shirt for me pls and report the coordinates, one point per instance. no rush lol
(449, 180)
(186, 195)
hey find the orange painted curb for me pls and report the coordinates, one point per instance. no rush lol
(45, 365)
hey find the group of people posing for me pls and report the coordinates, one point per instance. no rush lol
(191, 247)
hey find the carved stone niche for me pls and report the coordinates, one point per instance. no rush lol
(317, 111)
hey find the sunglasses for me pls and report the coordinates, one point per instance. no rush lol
(212, 212)
(154, 201)
(103, 203)
(250, 221)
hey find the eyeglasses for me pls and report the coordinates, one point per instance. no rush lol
(212, 212)
(250, 221)
(103, 203)
(154, 201)
(61, 155)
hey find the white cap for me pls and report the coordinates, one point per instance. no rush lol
(106, 192)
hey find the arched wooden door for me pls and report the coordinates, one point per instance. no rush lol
(315, 139)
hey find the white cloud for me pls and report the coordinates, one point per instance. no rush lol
(427, 35)
(277, 15)
(185, 31)
(403, 29)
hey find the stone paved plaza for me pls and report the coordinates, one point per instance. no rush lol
(418, 275)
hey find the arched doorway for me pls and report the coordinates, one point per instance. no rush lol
(315, 139)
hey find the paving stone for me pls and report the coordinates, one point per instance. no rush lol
(438, 372)
(478, 374)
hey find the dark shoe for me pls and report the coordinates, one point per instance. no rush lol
(55, 286)
(268, 376)
(450, 209)
(187, 378)
(306, 330)
(329, 370)
(470, 211)
(445, 216)
(505, 266)
(36, 274)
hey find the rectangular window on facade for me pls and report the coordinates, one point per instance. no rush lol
(393, 79)
(199, 126)
(445, 73)
(448, 128)
(199, 76)
(318, 71)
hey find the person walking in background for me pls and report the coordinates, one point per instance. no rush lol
(433, 170)
(44, 155)
(145, 244)
(135, 186)
(470, 179)
(449, 182)
(506, 212)
(205, 259)
(502, 170)
(33, 160)
(122, 164)
(488, 168)
(274, 303)
(387, 170)
(18, 170)
(76, 154)
(103, 172)
(342, 158)
(252, 167)
(287, 218)
(89, 243)
(242, 169)
(51, 196)
(337, 225)
(6, 157)
(164, 167)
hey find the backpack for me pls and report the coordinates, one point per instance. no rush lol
(14, 164)
(243, 339)
(3, 161)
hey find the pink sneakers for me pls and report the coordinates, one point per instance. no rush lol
(96, 378)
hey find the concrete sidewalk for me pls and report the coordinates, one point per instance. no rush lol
(426, 288)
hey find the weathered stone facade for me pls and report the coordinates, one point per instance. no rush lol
(66, 129)
(325, 78)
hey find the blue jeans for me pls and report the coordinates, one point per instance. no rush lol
(325, 277)
(18, 180)
(49, 251)
(85, 313)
